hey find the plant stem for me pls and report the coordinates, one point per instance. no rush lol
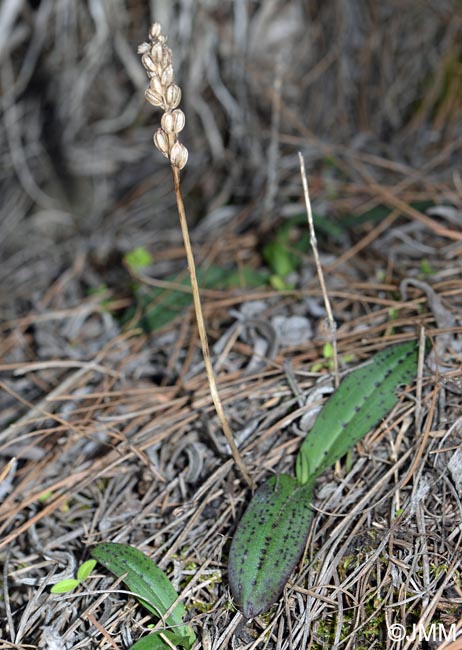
(201, 327)
(314, 247)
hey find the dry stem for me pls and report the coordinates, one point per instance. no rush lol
(314, 246)
(201, 327)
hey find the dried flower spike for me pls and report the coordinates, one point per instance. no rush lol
(156, 58)
(163, 92)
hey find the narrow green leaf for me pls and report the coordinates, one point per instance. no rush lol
(268, 543)
(144, 578)
(64, 586)
(279, 258)
(85, 569)
(363, 398)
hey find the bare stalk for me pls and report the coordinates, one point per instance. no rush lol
(314, 246)
(202, 331)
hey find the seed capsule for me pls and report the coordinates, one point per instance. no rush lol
(144, 47)
(173, 96)
(179, 155)
(156, 86)
(173, 121)
(156, 52)
(167, 76)
(179, 120)
(153, 98)
(154, 31)
(166, 57)
(148, 62)
(161, 142)
(168, 123)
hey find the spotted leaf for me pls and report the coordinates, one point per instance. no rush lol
(363, 398)
(268, 543)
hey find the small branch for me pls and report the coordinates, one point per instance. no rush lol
(202, 332)
(314, 246)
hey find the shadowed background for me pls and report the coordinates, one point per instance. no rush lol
(260, 81)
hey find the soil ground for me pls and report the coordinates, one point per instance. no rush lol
(108, 431)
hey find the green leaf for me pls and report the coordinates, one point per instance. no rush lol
(280, 260)
(151, 642)
(85, 569)
(45, 496)
(268, 543)
(325, 227)
(291, 242)
(426, 268)
(138, 258)
(278, 283)
(363, 398)
(64, 586)
(159, 307)
(156, 641)
(144, 578)
(246, 278)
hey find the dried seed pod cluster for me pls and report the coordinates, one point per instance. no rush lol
(163, 92)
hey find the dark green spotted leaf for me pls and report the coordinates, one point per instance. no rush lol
(363, 398)
(268, 543)
(150, 585)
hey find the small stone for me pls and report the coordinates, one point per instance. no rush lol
(292, 330)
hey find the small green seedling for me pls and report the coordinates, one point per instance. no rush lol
(69, 584)
(152, 589)
(137, 259)
(283, 257)
(426, 268)
(328, 359)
